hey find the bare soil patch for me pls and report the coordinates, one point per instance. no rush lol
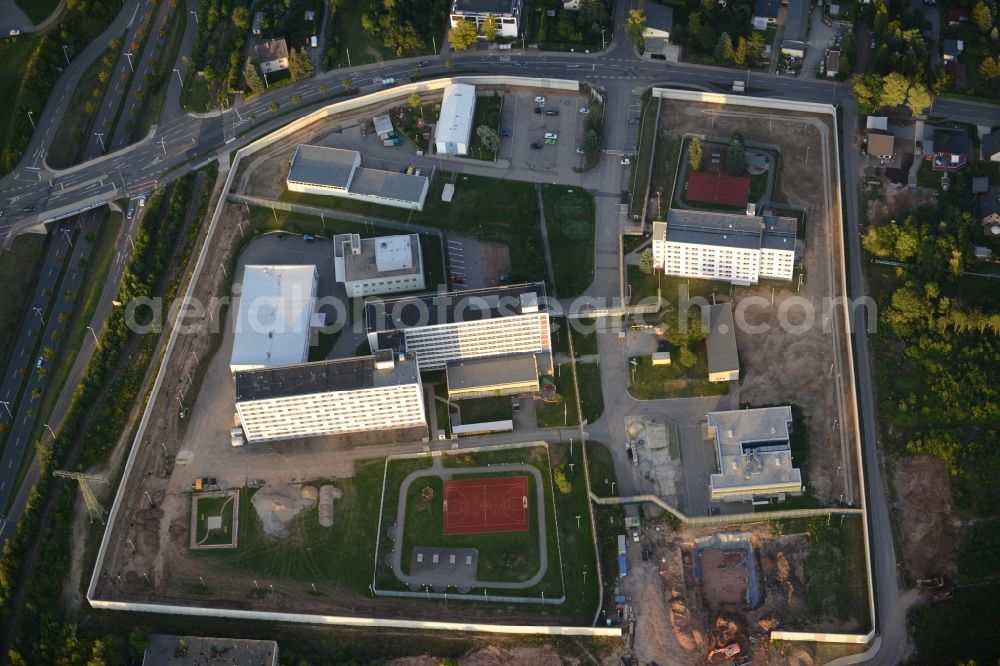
(895, 201)
(929, 531)
(494, 261)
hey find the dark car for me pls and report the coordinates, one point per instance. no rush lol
(458, 279)
(28, 209)
(552, 112)
(538, 109)
(661, 346)
(425, 63)
(309, 239)
(506, 133)
(626, 196)
(537, 145)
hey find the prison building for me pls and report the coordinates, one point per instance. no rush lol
(741, 249)
(381, 392)
(477, 323)
(454, 127)
(275, 317)
(754, 450)
(720, 342)
(382, 265)
(492, 376)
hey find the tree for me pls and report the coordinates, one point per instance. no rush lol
(687, 358)
(561, 479)
(990, 68)
(300, 64)
(273, 106)
(695, 153)
(463, 36)
(488, 137)
(635, 26)
(736, 162)
(566, 26)
(592, 143)
(755, 47)
(490, 27)
(739, 56)
(982, 16)
(895, 87)
(114, 44)
(867, 92)
(918, 98)
(241, 18)
(252, 77)
(413, 100)
(724, 47)
(296, 99)
(347, 83)
(646, 262)
(943, 81)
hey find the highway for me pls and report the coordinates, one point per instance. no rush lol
(183, 141)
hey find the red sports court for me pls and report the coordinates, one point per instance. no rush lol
(477, 506)
(718, 189)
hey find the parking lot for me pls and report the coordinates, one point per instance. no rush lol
(528, 127)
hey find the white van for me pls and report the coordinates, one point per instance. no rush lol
(313, 42)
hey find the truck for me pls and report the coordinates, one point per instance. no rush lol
(392, 142)
(622, 556)
(236, 437)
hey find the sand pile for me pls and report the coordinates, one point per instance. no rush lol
(327, 496)
(276, 506)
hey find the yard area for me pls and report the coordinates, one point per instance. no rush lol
(485, 410)
(562, 412)
(588, 376)
(216, 63)
(569, 218)
(486, 114)
(210, 507)
(349, 44)
(673, 381)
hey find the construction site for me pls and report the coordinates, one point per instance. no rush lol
(721, 591)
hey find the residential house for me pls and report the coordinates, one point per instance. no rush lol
(506, 12)
(951, 150)
(951, 49)
(957, 16)
(990, 149)
(987, 211)
(881, 145)
(980, 185)
(656, 35)
(272, 55)
(765, 13)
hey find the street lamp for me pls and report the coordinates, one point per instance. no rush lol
(178, 73)
(604, 44)
(129, 56)
(195, 16)
(100, 138)
(31, 120)
(47, 427)
(6, 405)
(65, 53)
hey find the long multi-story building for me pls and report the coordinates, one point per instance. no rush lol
(506, 12)
(377, 393)
(456, 326)
(741, 249)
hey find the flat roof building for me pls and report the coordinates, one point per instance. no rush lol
(383, 125)
(881, 145)
(454, 126)
(720, 342)
(382, 265)
(164, 650)
(495, 376)
(381, 392)
(477, 323)
(725, 246)
(274, 318)
(755, 455)
(506, 12)
(338, 172)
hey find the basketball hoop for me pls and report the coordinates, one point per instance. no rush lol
(427, 493)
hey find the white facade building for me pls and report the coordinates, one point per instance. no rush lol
(272, 55)
(479, 323)
(454, 127)
(275, 317)
(507, 13)
(368, 393)
(723, 246)
(382, 265)
(338, 172)
(755, 455)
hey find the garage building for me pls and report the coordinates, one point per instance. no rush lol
(454, 128)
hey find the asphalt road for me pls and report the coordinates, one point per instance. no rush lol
(183, 141)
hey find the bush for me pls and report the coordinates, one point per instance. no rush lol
(561, 479)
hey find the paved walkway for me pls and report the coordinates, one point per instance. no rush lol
(444, 580)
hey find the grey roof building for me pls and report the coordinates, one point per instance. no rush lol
(797, 20)
(723, 359)
(164, 650)
(727, 230)
(990, 148)
(766, 9)
(319, 165)
(483, 377)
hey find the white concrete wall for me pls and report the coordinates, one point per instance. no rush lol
(347, 194)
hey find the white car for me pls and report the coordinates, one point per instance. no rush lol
(626, 161)
(584, 109)
(551, 136)
(15, 33)
(142, 202)
(579, 150)
(540, 99)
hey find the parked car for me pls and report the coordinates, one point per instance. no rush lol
(661, 346)
(537, 145)
(15, 33)
(142, 202)
(551, 135)
(506, 133)
(458, 279)
(538, 109)
(579, 150)
(540, 99)
(40, 362)
(633, 121)
(309, 239)
(425, 63)
(873, 42)
(626, 161)
(552, 112)
(131, 212)
(584, 109)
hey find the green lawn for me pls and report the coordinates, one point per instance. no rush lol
(588, 376)
(37, 12)
(644, 287)
(569, 217)
(487, 112)
(339, 556)
(563, 411)
(485, 410)
(584, 337)
(959, 631)
(215, 506)
(560, 341)
(14, 55)
(503, 556)
(73, 129)
(602, 469)
(673, 381)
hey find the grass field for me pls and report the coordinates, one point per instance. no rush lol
(14, 55)
(339, 556)
(485, 410)
(674, 381)
(563, 411)
(584, 338)
(209, 507)
(602, 469)
(588, 377)
(487, 112)
(503, 556)
(569, 218)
